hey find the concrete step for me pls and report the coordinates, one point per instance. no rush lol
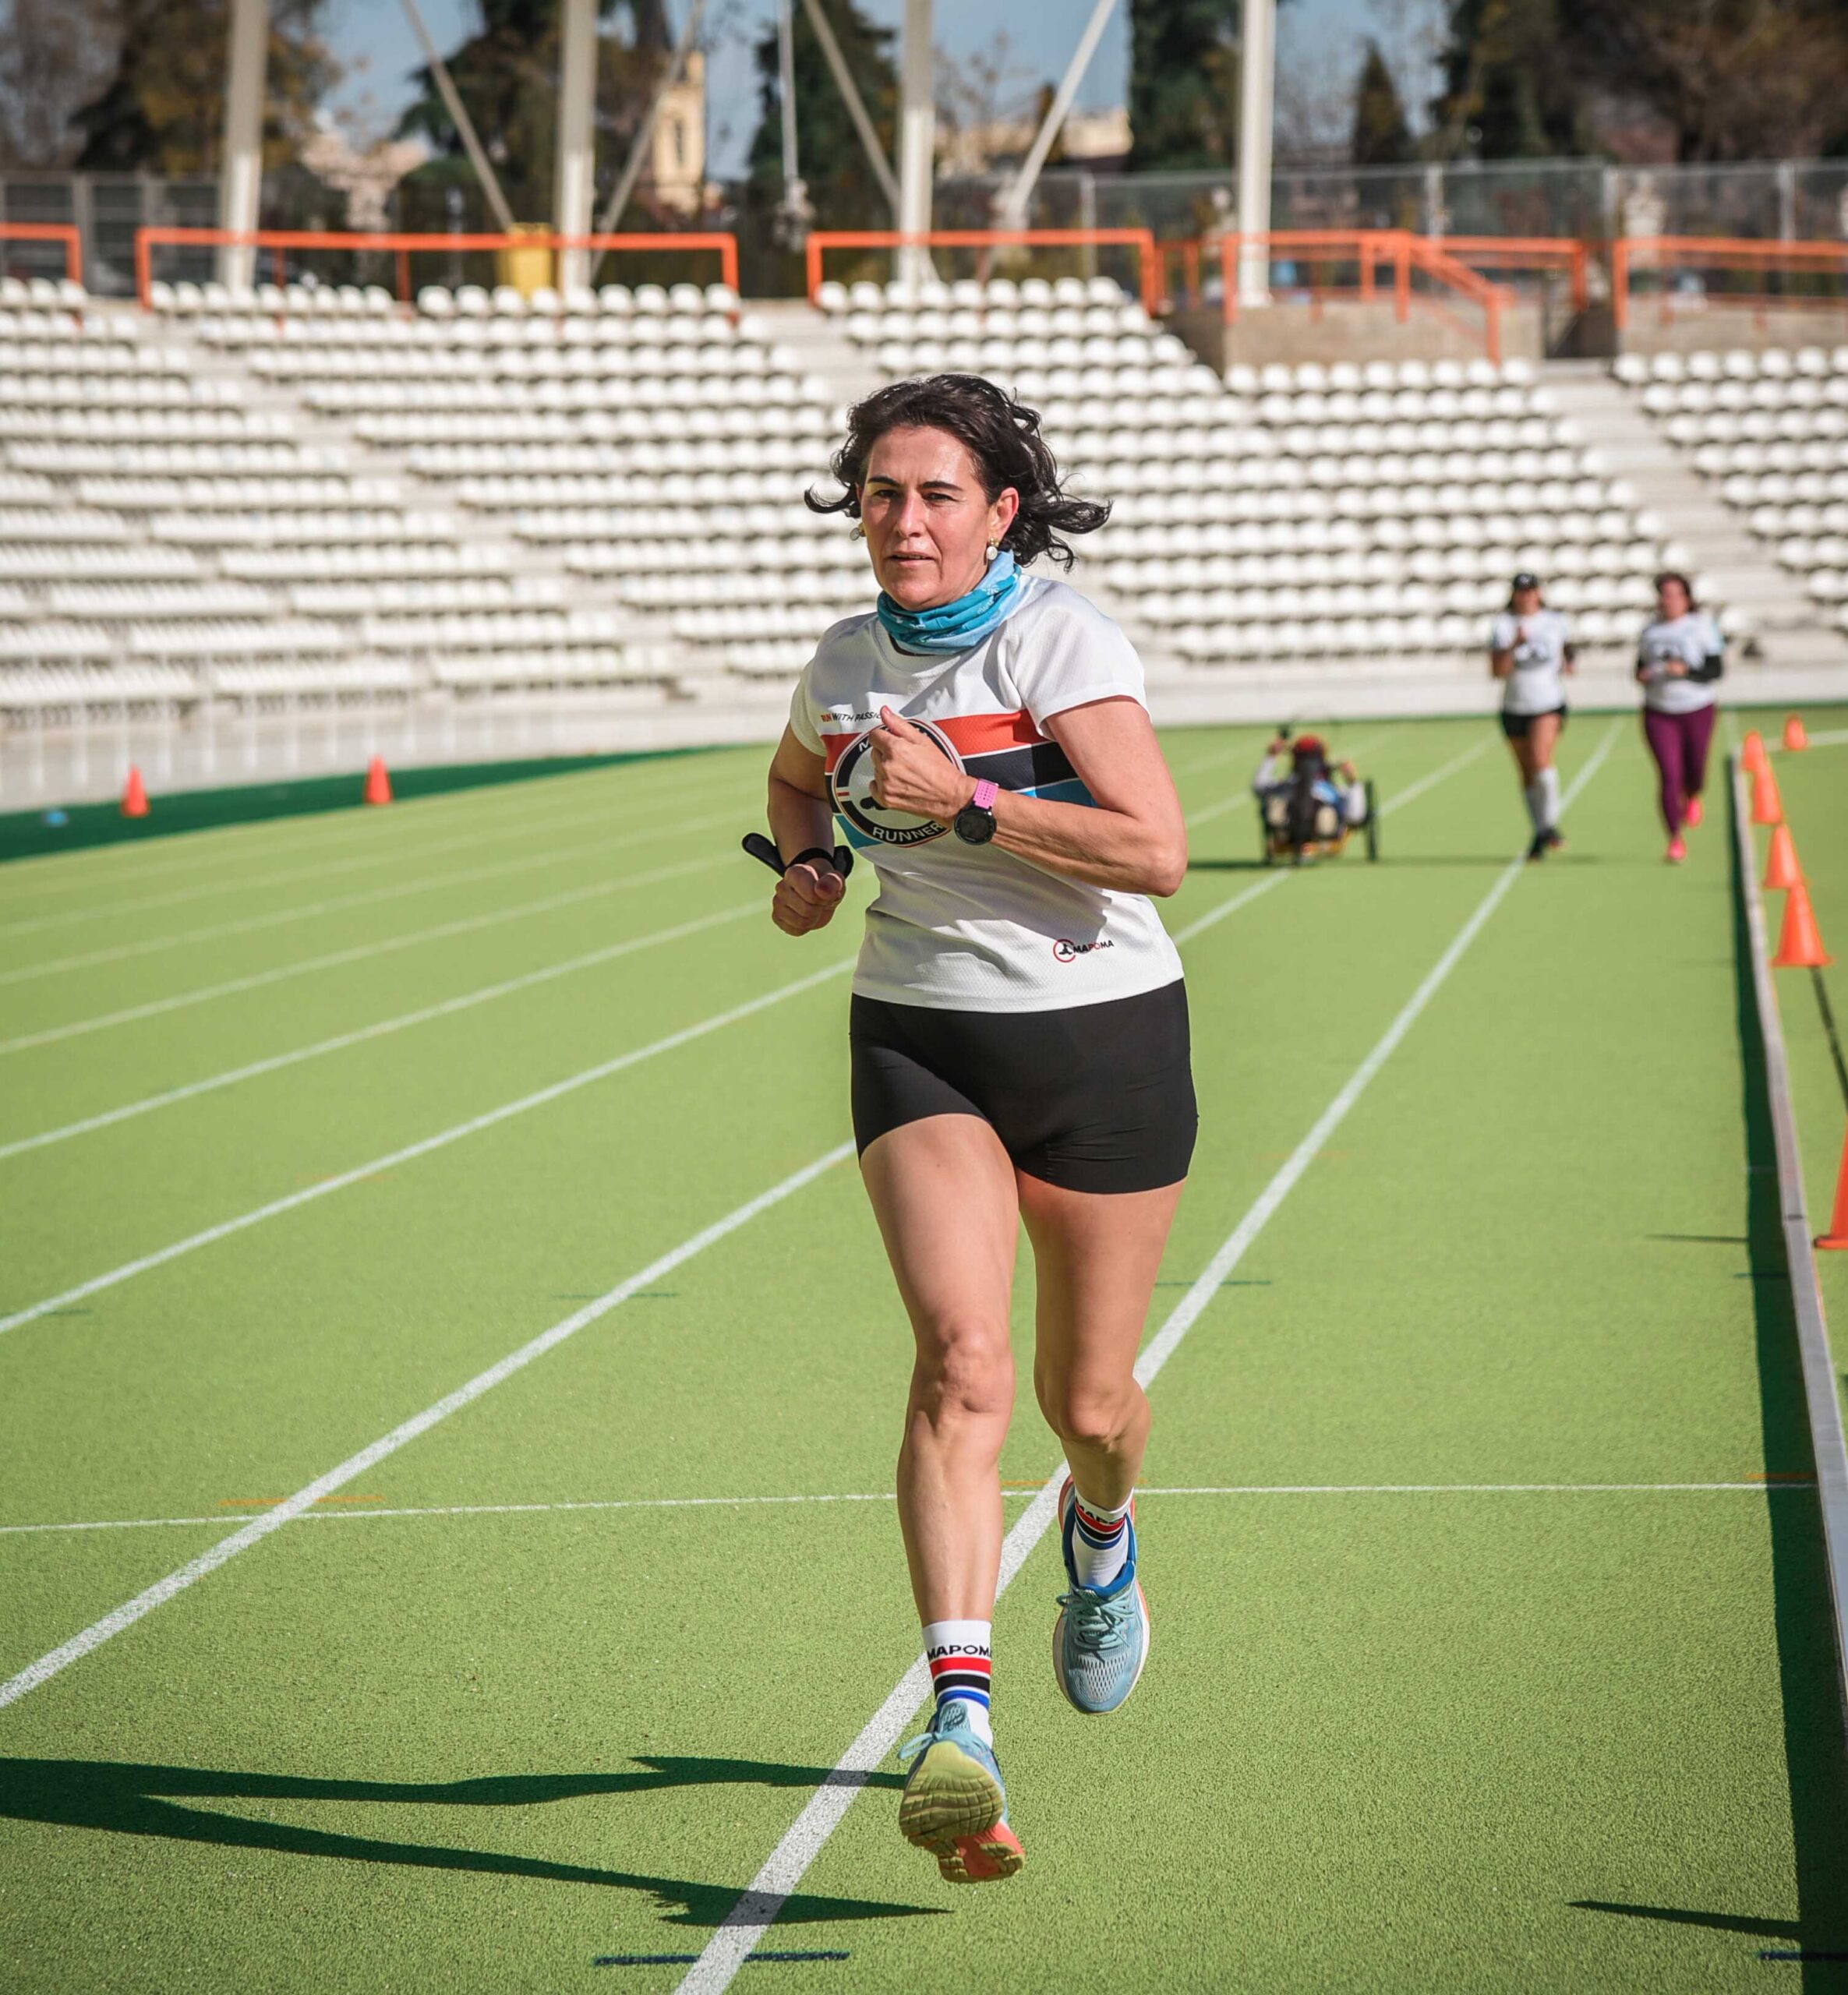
(823, 349)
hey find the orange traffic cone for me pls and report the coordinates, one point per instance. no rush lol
(1752, 757)
(1837, 1235)
(1767, 806)
(1794, 737)
(378, 784)
(1799, 940)
(1781, 871)
(134, 796)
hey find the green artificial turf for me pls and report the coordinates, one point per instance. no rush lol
(1464, 1738)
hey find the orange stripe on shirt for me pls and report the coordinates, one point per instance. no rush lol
(982, 734)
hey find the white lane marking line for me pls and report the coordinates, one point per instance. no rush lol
(304, 1499)
(1276, 879)
(362, 952)
(523, 826)
(488, 1120)
(886, 1496)
(427, 882)
(465, 1001)
(758, 1906)
(1231, 906)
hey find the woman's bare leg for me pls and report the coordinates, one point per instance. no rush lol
(942, 1190)
(1097, 1256)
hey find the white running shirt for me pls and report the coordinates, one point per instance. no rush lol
(1693, 639)
(962, 927)
(1538, 643)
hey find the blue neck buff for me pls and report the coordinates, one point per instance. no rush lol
(955, 626)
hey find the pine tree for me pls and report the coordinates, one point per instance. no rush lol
(1183, 84)
(841, 190)
(507, 76)
(162, 108)
(1381, 136)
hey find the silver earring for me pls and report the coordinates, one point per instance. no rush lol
(994, 548)
(858, 533)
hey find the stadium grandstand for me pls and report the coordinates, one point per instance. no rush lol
(449, 1370)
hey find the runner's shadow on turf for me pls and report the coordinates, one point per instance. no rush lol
(126, 1798)
(1227, 865)
(1720, 1922)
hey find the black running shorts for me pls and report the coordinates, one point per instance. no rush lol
(1097, 1098)
(1515, 725)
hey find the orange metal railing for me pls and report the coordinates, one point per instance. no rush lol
(1377, 255)
(1524, 253)
(1141, 240)
(279, 241)
(1629, 253)
(49, 232)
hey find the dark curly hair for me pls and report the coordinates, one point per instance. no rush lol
(1001, 435)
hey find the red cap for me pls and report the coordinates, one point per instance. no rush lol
(1307, 744)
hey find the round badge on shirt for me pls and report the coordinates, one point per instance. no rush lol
(851, 781)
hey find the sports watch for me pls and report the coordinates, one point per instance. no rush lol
(974, 824)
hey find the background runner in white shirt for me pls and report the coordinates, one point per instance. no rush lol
(1019, 1029)
(1530, 651)
(1679, 660)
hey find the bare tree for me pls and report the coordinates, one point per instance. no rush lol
(54, 55)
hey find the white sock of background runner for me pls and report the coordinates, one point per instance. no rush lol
(1100, 1540)
(1535, 794)
(1548, 780)
(961, 1664)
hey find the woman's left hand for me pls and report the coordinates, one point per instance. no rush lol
(910, 772)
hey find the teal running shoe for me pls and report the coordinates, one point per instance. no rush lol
(1101, 1639)
(954, 1804)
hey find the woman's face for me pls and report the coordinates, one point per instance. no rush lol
(1671, 598)
(1526, 601)
(928, 522)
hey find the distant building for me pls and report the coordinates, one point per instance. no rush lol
(366, 178)
(1096, 139)
(675, 174)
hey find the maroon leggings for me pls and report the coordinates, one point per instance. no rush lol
(1679, 742)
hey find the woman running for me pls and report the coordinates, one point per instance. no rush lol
(1530, 651)
(1678, 663)
(1018, 1030)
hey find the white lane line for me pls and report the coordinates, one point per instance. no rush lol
(428, 882)
(363, 1035)
(1278, 877)
(523, 826)
(362, 952)
(306, 1498)
(758, 1906)
(886, 1496)
(488, 1120)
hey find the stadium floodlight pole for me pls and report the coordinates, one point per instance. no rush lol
(843, 80)
(458, 117)
(918, 138)
(573, 183)
(1257, 92)
(795, 189)
(1011, 212)
(241, 179)
(638, 150)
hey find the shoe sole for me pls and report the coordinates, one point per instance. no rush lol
(1141, 1662)
(951, 1806)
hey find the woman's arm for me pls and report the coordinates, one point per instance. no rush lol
(1133, 838)
(808, 895)
(1501, 664)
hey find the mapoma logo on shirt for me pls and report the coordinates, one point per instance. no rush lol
(1068, 952)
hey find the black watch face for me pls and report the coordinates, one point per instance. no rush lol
(974, 827)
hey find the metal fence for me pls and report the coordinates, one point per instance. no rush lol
(1792, 201)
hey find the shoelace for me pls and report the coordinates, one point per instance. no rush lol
(1099, 1624)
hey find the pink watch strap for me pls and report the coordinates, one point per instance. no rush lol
(985, 794)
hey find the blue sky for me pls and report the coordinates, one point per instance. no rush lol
(1319, 42)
